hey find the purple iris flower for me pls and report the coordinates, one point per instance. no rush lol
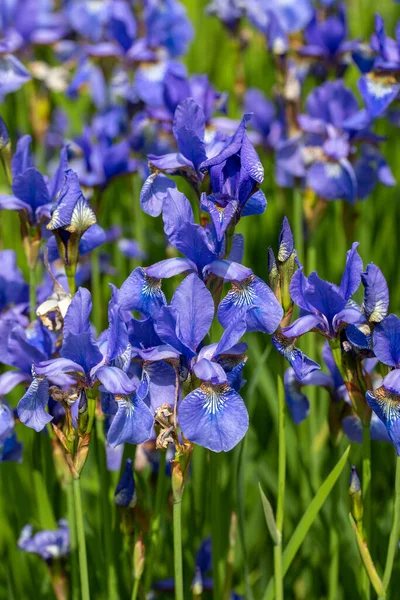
(50, 544)
(88, 360)
(213, 415)
(228, 11)
(10, 447)
(31, 195)
(167, 25)
(299, 405)
(20, 348)
(13, 74)
(264, 118)
(385, 401)
(324, 306)
(378, 85)
(334, 126)
(102, 160)
(374, 307)
(326, 40)
(13, 289)
(125, 492)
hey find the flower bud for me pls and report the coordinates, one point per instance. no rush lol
(356, 503)
(138, 558)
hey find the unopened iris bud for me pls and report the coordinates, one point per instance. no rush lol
(125, 492)
(138, 558)
(197, 584)
(356, 503)
(286, 264)
(273, 273)
(71, 217)
(83, 416)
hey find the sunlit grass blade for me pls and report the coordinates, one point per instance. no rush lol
(307, 520)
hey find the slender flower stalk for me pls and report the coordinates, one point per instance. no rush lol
(215, 524)
(156, 520)
(366, 492)
(280, 508)
(73, 540)
(178, 566)
(395, 532)
(83, 565)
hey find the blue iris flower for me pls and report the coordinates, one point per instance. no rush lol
(50, 544)
(378, 85)
(385, 401)
(81, 356)
(125, 492)
(334, 125)
(324, 306)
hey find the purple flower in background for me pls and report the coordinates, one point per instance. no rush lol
(125, 492)
(378, 85)
(334, 126)
(13, 289)
(31, 195)
(324, 306)
(325, 40)
(374, 307)
(49, 544)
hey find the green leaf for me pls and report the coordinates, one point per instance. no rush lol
(269, 517)
(367, 561)
(307, 520)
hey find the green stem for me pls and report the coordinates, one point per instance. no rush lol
(366, 494)
(298, 223)
(280, 507)
(334, 542)
(32, 293)
(156, 521)
(240, 485)
(215, 525)
(395, 532)
(178, 568)
(83, 567)
(73, 541)
(311, 351)
(136, 589)
(104, 477)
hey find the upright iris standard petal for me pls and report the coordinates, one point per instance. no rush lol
(376, 294)
(189, 129)
(195, 306)
(387, 341)
(133, 422)
(31, 407)
(154, 193)
(177, 211)
(82, 350)
(213, 416)
(351, 278)
(77, 316)
(72, 211)
(142, 293)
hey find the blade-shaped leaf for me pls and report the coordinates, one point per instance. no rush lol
(269, 517)
(307, 520)
(368, 562)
